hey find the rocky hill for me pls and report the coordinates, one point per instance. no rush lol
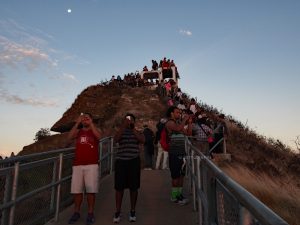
(107, 104)
(263, 166)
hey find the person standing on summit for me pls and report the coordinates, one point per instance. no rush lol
(85, 165)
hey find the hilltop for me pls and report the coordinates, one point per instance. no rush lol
(262, 166)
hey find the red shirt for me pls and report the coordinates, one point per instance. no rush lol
(86, 152)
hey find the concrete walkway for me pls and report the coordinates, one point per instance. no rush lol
(153, 206)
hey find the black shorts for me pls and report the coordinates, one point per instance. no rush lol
(176, 165)
(127, 174)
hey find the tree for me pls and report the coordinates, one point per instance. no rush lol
(41, 134)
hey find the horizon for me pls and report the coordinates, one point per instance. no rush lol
(240, 57)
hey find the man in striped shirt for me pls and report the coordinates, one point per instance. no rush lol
(127, 165)
(177, 131)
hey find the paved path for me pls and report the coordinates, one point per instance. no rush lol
(153, 206)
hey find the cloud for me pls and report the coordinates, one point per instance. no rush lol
(15, 99)
(66, 76)
(185, 32)
(70, 77)
(23, 46)
(13, 54)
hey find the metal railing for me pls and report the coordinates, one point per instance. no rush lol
(35, 187)
(221, 201)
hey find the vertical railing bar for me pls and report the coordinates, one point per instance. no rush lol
(111, 154)
(14, 193)
(193, 181)
(241, 215)
(7, 196)
(54, 173)
(200, 213)
(58, 187)
(100, 159)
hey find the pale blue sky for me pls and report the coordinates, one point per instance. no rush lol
(242, 57)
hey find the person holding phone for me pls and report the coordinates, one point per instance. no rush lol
(177, 130)
(127, 165)
(85, 165)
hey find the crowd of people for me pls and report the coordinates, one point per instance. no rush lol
(184, 118)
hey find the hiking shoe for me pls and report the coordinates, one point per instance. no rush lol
(90, 219)
(132, 216)
(182, 200)
(117, 217)
(74, 218)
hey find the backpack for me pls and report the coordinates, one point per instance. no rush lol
(165, 138)
(159, 127)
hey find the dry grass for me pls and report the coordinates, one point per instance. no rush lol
(281, 195)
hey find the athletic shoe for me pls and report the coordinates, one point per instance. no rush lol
(173, 199)
(117, 217)
(90, 219)
(182, 200)
(132, 216)
(74, 218)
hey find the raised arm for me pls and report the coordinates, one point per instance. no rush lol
(74, 131)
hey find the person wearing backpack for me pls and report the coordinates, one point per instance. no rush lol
(176, 132)
(161, 153)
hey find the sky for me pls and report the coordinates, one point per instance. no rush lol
(241, 56)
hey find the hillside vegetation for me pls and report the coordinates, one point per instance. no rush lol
(265, 167)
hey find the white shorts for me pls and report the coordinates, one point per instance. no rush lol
(85, 177)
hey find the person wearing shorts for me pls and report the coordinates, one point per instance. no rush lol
(127, 165)
(85, 170)
(177, 130)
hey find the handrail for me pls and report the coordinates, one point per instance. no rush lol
(205, 168)
(37, 176)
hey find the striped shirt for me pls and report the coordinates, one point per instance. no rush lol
(177, 143)
(128, 146)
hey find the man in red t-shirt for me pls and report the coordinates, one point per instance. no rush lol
(85, 165)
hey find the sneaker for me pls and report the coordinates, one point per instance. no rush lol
(173, 199)
(90, 219)
(182, 200)
(132, 216)
(117, 217)
(74, 218)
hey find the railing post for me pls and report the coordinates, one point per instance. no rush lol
(241, 215)
(14, 193)
(193, 181)
(58, 187)
(200, 211)
(224, 145)
(212, 204)
(111, 154)
(54, 173)
(7, 197)
(100, 158)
